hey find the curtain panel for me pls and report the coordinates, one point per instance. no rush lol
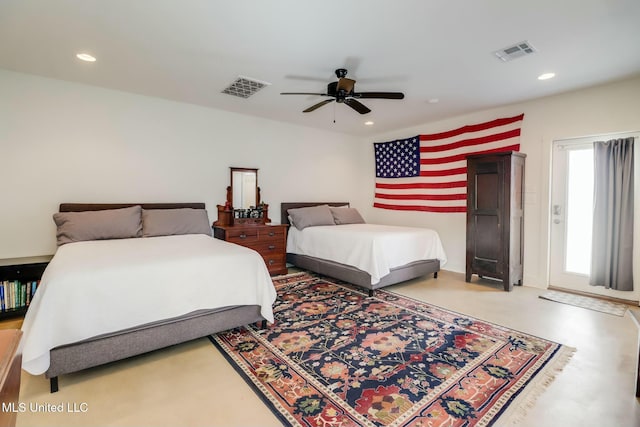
(612, 248)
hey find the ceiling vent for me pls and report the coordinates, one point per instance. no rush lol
(244, 87)
(515, 51)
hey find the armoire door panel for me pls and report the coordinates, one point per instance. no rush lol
(486, 194)
(486, 245)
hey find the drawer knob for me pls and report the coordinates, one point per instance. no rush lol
(243, 236)
(271, 262)
(271, 233)
(272, 247)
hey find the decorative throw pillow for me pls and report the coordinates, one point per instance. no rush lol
(311, 216)
(98, 225)
(168, 222)
(346, 216)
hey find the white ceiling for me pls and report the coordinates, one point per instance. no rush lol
(190, 50)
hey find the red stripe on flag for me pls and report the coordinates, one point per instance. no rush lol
(444, 172)
(471, 128)
(421, 196)
(441, 209)
(458, 157)
(424, 185)
(465, 143)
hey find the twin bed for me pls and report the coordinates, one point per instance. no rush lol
(132, 278)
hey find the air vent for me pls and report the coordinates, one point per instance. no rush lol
(244, 87)
(515, 51)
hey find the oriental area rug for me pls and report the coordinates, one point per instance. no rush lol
(337, 357)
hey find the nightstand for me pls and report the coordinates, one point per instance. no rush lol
(270, 241)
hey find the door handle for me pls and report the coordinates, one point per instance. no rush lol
(557, 209)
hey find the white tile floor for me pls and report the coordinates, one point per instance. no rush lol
(193, 385)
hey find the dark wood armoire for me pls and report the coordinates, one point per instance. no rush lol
(495, 217)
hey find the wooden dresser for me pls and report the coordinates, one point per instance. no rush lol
(269, 240)
(10, 370)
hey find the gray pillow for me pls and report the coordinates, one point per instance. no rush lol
(346, 216)
(311, 216)
(169, 222)
(98, 225)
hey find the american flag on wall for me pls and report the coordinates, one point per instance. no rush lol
(429, 172)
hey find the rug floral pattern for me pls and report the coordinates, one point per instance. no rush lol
(336, 357)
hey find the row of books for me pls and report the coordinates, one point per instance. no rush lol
(15, 294)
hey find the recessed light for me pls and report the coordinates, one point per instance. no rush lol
(433, 101)
(86, 57)
(546, 76)
(368, 123)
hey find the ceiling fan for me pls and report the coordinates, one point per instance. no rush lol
(342, 91)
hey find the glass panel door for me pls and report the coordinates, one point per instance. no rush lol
(579, 205)
(571, 216)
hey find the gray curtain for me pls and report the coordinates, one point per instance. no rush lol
(612, 250)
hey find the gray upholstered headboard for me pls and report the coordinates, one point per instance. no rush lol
(81, 207)
(284, 216)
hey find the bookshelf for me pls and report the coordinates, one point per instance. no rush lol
(19, 279)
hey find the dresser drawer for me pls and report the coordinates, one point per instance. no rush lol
(242, 236)
(266, 247)
(275, 263)
(271, 233)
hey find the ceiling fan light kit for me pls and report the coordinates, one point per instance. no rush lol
(343, 91)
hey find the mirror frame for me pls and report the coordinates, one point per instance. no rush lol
(230, 187)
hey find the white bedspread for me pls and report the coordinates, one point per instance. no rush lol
(97, 287)
(373, 248)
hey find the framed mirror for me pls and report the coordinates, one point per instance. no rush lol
(244, 188)
(244, 205)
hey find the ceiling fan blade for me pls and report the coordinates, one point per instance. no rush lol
(346, 84)
(318, 105)
(380, 95)
(356, 105)
(303, 93)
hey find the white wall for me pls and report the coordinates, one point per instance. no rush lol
(603, 109)
(66, 142)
